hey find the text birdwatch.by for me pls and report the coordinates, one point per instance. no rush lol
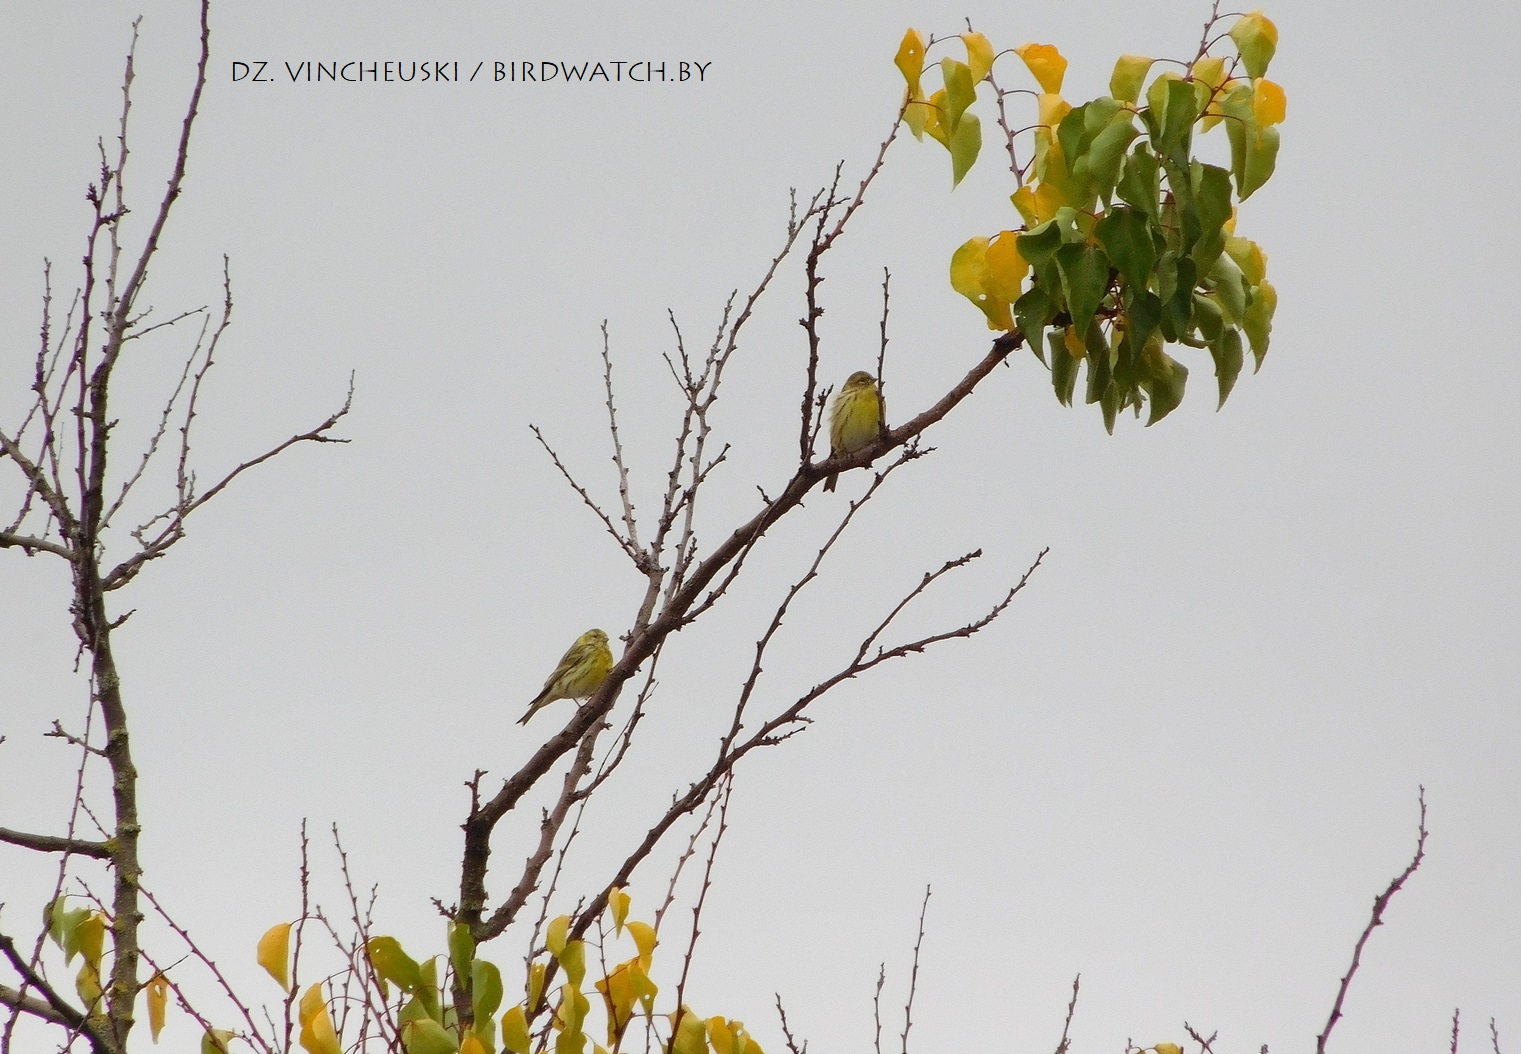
(855, 418)
(581, 672)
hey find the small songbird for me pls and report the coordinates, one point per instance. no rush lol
(856, 417)
(581, 672)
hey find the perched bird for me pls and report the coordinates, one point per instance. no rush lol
(581, 672)
(855, 417)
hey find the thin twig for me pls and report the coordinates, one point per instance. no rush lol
(913, 977)
(1376, 919)
(1066, 1042)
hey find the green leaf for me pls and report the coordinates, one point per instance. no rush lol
(427, 989)
(1085, 279)
(1032, 311)
(64, 927)
(1212, 199)
(1140, 182)
(1174, 109)
(485, 990)
(1178, 308)
(1110, 403)
(966, 143)
(1127, 238)
(393, 964)
(1040, 244)
(1102, 160)
(1063, 367)
(1099, 367)
(1229, 288)
(1256, 40)
(1165, 384)
(216, 1040)
(1143, 315)
(1261, 159)
(960, 92)
(425, 1036)
(1209, 319)
(1258, 323)
(1228, 357)
(461, 949)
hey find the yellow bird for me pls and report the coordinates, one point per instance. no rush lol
(581, 672)
(856, 417)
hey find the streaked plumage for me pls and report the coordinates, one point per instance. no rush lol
(855, 417)
(581, 672)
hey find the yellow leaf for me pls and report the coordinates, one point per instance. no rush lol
(87, 984)
(691, 1037)
(158, 1002)
(536, 974)
(644, 940)
(515, 1030)
(1046, 63)
(644, 988)
(572, 959)
(915, 112)
(311, 1002)
(1210, 70)
(317, 1033)
(934, 111)
(967, 265)
(274, 953)
(1269, 104)
(1075, 345)
(979, 54)
(1006, 268)
(1038, 204)
(92, 938)
(910, 59)
(572, 1009)
(617, 903)
(555, 938)
(1128, 76)
(472, 1044)
(1249, 257)
(216, 1041)
(1168, 1048)
(721, 1036)
(1052, 109)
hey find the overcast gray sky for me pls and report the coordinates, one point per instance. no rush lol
(1182, 765)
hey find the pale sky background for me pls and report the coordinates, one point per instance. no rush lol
(1184, 762)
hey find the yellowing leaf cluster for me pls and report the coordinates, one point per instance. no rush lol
(1127, 239)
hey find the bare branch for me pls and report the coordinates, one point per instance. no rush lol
(792, 1045)
(876, 1008)
(1204, 1044)
(726, 788)
(913, 977)
(125, 571)
(623, 543)
(32, 546)
(52, 1007)
(1454, 1047)
(1066, 1042)
(629, 521)
(47, 843)
(1376, 919)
